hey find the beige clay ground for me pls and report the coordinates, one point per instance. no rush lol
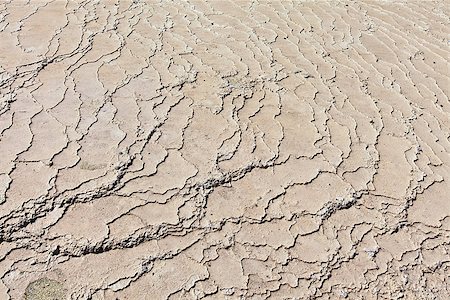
(224, 150)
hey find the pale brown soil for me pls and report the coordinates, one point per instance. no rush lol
(224, 150)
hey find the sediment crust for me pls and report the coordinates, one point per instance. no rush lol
(224, 150)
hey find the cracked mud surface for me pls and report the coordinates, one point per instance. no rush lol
(224, 150)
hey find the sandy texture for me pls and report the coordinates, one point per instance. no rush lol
(224, 150)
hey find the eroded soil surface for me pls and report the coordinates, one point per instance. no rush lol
(224, 150)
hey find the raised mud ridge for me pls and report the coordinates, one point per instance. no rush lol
(224, 150)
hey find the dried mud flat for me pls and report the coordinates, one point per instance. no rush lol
(224, 150)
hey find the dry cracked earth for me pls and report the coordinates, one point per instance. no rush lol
(224, 150)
